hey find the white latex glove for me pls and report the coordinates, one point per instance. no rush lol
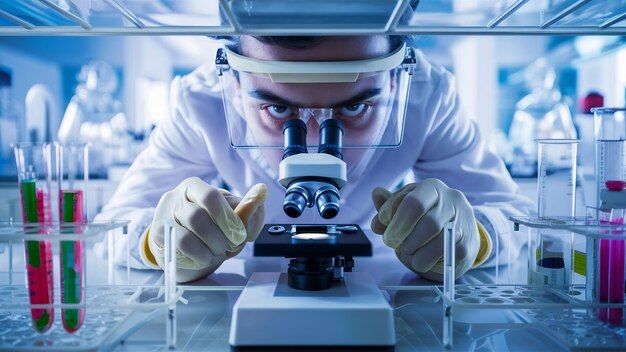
(412, 220)
(213, 225)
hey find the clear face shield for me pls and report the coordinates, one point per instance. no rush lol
(345, 109)
(368, 97)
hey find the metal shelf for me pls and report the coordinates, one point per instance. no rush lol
(311, 17)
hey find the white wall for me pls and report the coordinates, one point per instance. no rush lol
(476, 71)
(605, 74)
(144, 57)
(27, 70)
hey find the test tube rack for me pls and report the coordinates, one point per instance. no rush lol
(568, 313)
(114, 301)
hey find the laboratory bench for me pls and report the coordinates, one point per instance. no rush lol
(203, 312)
(203, 322)
(482, 319)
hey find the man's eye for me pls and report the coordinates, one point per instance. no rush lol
(353, 110)
(279, 111)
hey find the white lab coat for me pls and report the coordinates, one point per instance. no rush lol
(439, 142)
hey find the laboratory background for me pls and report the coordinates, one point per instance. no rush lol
(99, 72)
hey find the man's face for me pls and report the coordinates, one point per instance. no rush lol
(362, 106)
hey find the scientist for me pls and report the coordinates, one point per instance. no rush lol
(274, 79)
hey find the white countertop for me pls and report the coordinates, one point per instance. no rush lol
(204, 323)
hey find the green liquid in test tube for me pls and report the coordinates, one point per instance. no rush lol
(72, 260)
(38, 257)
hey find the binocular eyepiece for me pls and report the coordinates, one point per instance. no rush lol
(312, 189)
(331, 137)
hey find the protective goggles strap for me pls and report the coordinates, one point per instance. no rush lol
(315, 71)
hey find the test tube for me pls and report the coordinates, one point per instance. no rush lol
(72, 178)
(610, 140)
(556, 186)
(34, 185)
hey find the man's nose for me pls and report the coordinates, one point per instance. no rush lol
(312, 124)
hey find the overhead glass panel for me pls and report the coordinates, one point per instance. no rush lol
(311, 15)
(564, 13)
(42, 13)
(596, 13)
(157, 13)
(448, 13)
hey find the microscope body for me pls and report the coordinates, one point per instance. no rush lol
(312, 178)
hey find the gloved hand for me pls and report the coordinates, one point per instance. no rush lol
(412, 221)
(213, 225)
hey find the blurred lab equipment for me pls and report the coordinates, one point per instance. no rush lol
(94, 115)
(556, 185)
(540, 114)
(38, 111)
(586, 150)
(11, 125)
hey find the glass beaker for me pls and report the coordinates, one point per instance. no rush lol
(610, 138)
(72, 178)
(556, 178)
(550, 261)
(33, 170)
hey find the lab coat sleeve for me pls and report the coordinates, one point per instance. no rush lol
(175, 151)
(455, 152)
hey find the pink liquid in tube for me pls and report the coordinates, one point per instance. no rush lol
(611, 275)
(38, 256)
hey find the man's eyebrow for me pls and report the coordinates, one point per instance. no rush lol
(270, 97)
(267, 96)
(364, 95)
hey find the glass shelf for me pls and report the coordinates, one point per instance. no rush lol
(311, 17)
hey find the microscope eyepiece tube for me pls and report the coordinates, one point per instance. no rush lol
(327, 200)
(294, 137)
(296, 199)
(331, 135)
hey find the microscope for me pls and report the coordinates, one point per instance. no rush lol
(319, 301)
(312, 179)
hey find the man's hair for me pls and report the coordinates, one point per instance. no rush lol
(302, 42)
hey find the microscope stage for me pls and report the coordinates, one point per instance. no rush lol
(353, 312)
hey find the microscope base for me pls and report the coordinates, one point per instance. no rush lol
(351, 313)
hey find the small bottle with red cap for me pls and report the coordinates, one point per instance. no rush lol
(613, 202)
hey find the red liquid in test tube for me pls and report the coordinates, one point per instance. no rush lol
(612, 265)
(38, 255)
